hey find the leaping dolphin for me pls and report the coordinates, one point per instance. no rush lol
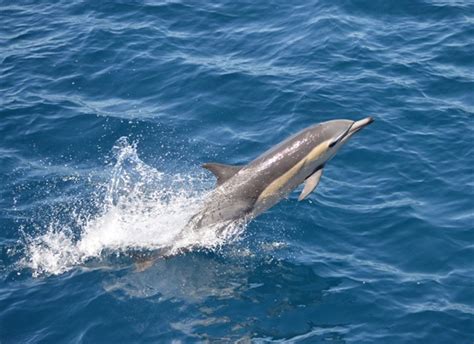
(244, 192)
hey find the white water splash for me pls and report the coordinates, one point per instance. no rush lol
(142, 209)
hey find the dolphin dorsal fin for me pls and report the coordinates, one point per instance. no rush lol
(310, 184)
(221, 171)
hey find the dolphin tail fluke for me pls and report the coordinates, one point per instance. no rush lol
(144, 261)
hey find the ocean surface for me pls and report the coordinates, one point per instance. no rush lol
(109, 108)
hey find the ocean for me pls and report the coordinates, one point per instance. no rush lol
(109, 108)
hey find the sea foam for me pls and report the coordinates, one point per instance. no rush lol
(141, 208)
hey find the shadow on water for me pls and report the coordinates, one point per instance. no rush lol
(233, 295)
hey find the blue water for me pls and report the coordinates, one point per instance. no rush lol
(109, 108)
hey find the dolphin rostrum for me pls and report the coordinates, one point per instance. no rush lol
(244, 192)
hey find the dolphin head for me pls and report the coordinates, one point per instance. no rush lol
(340, 131)
(329, 137)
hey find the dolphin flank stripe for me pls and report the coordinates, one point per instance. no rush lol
(316, 152)
(277, 185)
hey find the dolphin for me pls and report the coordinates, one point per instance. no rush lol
(244, 192)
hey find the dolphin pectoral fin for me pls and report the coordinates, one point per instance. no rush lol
(310, 184)
(221, 171)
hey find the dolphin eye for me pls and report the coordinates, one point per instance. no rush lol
(340, 137)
